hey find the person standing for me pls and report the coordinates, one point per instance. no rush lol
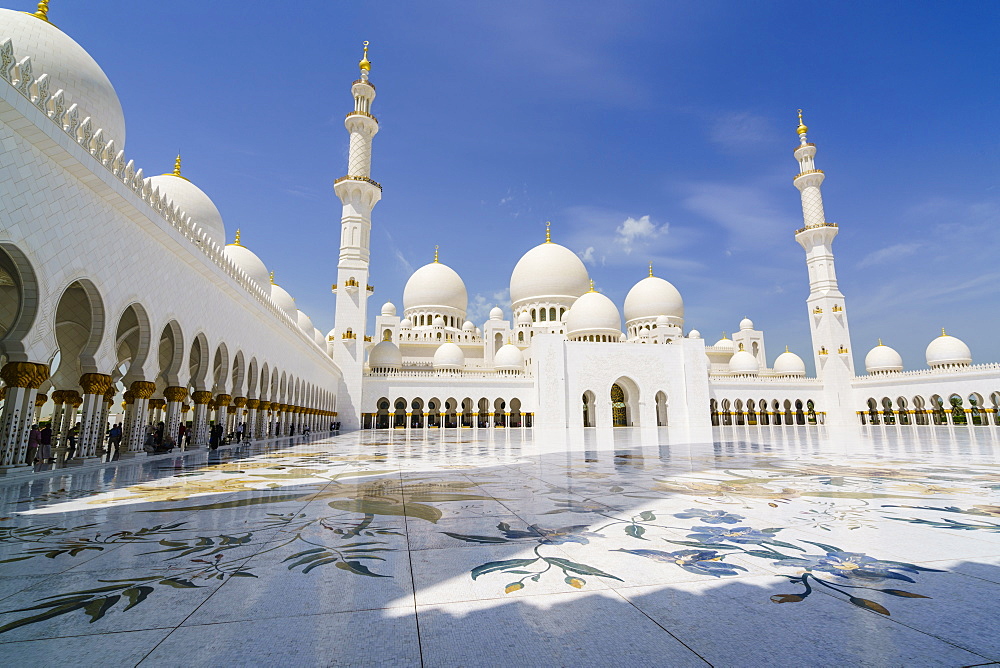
(44, 454)
(180, 435)
(115, 442)
(34, 438)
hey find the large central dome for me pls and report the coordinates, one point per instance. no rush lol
(548, 272)
(69, 67)
(435, 285)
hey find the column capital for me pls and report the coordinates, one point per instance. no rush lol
(24, 374)
(239, 402)
(40, 400)
(109, 396)
(72, 397)
(264, 405)
(201, 397)
(128, 396)
(95, 383)
(223, 399)
(174, 393)
(157, 403)
(253, 404)
(142, 389)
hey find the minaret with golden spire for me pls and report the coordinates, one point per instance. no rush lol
(358, 194)
(826, 305)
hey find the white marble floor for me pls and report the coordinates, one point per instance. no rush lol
(741, 546)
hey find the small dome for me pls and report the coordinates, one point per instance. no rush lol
(524, 318)
(662, 321)
(388, 309)
(946, 350)
(651, 297)
(496, 313)
(246, 260)
(438, 321)
(725, 344)
(448, 357)
(284, 301)
(883, 359)
(746, 323)
(435, 285)
(318, 336)
(479, 332)
(789, 364)
(593, 313)
(743, 363)
(694, 334)
(193, 202)
(69, 67)
(509, 358)
(385, 355)
(304, 321)
(548, 272)
(405, 323)
(467, 326)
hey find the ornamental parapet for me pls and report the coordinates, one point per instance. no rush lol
(953, 371)
(363, 81)
(807, 172)
(360, 113)
(813, 227)
(359, 178)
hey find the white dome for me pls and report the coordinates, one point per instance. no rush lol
(746, 323)
(284, 301)
(743, 363)
(448, 357)
(524, 318)
(69, 67)
(385, 355)
(496, 313)
(593, 312)
(694, 334)
(946, 350)
(388, 309)
(246, 260)
(789, 364)
(882, 359)
(467, 326)
(662, 321)
(193, 202)
(548, 272)
(651, 297)
(509, 358)
(438, 321)
(304, 321)
(725, 344)
(435, 285)
(318, 336)
(405, 323)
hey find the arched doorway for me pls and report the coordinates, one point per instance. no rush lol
(589, 413)
(619, 409)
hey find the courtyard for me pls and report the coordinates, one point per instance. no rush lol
(734, 546)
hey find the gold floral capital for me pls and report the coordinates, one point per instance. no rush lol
(142, 389)
(109, 396)
(201, 397)
(253, 404)
(24, 374)
(175, 394)
(73, 398)
(95, 383)
(223, 399)
(40, 400)
(239, 402)
(128, 397)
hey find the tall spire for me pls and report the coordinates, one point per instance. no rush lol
(365, 65)
(435, 254)
(236, 241)
(548, 232)
(802, 129)
(650, 269)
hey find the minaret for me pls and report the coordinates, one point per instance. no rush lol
(359, 195)
(831, 336)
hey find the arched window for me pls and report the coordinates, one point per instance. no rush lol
(541, 313)
(387, 335)
(534, 315)
(552, 313)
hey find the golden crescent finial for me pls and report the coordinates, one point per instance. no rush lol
(650, 269)
(592, 286)
(802, 126)
(435, 253)
(548, 232)
(177, 165)
(272, 279)
(236, 242)
(943, 333)
(365, 64)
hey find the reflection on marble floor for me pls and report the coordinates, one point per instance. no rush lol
(738, 546)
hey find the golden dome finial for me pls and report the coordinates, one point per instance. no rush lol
(786, 349)
(943, 333)
(650, 269)
(548, 232)
(272, 279)
(236, 241)
(435, 253)
(802, 126)
(880, 341)
(43, 11)
(592, 286)
(177, 165)
(724, 337)
(365, 64)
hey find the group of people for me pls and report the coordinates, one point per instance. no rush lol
(39, 446)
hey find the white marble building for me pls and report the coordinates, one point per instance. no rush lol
(172, 324)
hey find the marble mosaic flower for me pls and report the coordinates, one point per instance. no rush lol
(705, 534)
(571, 506)
(571, 534)
(854, 565)
(709, 516)
(702, 562)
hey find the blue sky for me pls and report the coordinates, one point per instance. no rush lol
(644, 131)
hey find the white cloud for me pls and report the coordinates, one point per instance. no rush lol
(588, 255)
(642, 230)
(889, 253)
(740, 130)
(480, 305)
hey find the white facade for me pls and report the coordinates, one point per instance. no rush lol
(116, 286)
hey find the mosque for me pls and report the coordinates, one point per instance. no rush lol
(175, 325)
